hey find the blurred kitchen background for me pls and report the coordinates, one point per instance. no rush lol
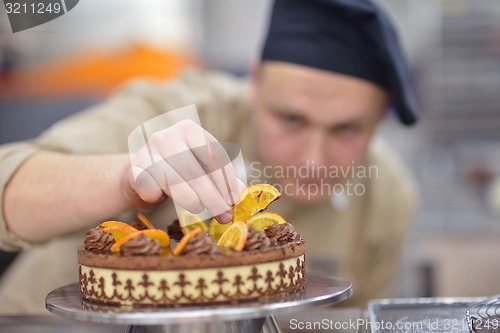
(453, 48)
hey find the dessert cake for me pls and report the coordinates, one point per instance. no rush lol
(257, 256)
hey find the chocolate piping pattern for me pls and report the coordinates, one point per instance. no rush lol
(261, 282)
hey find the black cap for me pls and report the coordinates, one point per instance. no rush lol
(351, 37)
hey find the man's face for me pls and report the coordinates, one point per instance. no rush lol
(312, 123)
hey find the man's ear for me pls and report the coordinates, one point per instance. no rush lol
(255, 76)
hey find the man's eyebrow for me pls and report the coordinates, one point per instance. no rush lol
(354, 121)
(284, 109)
(357, 120)
(341, 124)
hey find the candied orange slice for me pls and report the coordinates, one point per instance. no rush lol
(216, 229)
(254, 199)
(116, 247)
(123, 225)
(262, 221)
(160, 235)
(144, 220)
(184, 240)
(119, 231)
(234, 237)
(190, 222)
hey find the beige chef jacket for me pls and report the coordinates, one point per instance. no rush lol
(360, 241)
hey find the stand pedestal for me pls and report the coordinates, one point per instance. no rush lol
(236, 326)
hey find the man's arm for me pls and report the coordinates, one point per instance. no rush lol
(66, 192)
(52, 193)
(72, 176)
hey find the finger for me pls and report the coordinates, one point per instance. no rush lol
(142, 160)
(181, 158)
(172, 184)
(190, 171)
(197, 194)
(216, 162)
(162, 176)
(182, 194)
(222, 172)
(219, 168)
(233, 181)
(143, 183)
(220, 179)
(171, 146)
(146, 187)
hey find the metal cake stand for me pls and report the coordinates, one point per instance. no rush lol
(246, 317)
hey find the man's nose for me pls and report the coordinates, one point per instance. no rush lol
(315, 148)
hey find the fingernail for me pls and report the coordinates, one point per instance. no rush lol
(136, 171)
(225, 217)
(198, 209)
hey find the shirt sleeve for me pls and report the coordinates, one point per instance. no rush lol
(11, 157)
(104, 129)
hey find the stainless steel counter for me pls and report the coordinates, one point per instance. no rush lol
(429, 315)
(52, 324)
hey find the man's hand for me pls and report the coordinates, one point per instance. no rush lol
(186, 163)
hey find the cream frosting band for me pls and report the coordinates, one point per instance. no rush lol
(192, 286)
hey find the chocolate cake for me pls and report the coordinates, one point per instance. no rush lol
(142, 272)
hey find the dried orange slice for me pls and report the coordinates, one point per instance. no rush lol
(144, 220)
(190, 222)
(123, 225)
(216, 229)
(184, 240)
(234, 237)
(262, 221)
(254, 199)
(119, 231)
(160, 235)
(116, 247)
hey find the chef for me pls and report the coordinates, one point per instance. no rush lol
(305, 119)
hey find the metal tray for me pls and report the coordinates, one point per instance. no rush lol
(422, 315)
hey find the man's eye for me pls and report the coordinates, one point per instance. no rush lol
(346, 129)
(293, 121)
